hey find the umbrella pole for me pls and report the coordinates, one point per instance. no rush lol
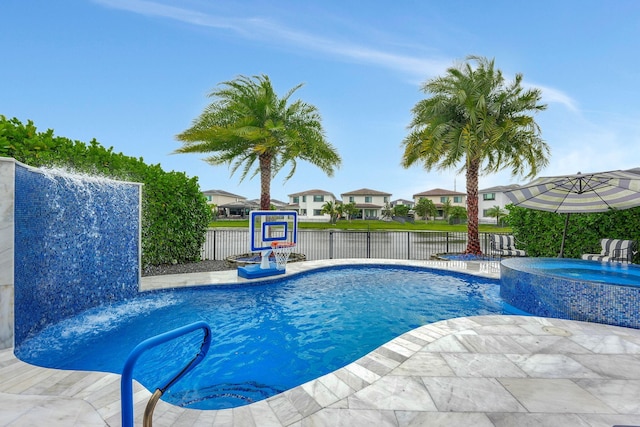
(564, 236)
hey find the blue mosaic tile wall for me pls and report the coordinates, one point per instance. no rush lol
(76, 246)
(567, 298)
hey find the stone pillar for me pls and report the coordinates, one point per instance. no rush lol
(7, 192)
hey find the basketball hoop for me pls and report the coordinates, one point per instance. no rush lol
(282, 250)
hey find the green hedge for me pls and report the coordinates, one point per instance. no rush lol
(541, 232)
(175, 215)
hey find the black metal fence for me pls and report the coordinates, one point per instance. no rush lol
(330, 244)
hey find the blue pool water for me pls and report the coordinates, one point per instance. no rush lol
(586, 271)
(267, 337)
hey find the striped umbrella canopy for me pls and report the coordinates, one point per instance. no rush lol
(589, 192)
(579, 193)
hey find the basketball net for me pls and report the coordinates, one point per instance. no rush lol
(281, 251)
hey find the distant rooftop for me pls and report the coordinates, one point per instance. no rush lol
(439, 192)
(366, 192)
(222, 193)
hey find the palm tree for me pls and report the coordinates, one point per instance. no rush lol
(330, 208)
(496, 212)
(248, 122)
(387, 211)
(446, 208)
(474, 121)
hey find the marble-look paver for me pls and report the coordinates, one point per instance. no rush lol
(476, 371)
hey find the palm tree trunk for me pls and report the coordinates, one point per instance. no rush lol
(473, 237)
(265, 181)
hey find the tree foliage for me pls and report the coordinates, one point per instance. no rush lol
(248, 123)
(541, 232)
(175, 215)
(331, 208)
(401, 210)
(477, 123)
(425, 207)
(496, 212)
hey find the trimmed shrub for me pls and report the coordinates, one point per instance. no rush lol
(175, 214)
(541, 232)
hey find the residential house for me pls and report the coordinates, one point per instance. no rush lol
(369, 202)
(309, 204)
(220, 197)
(491, 197)
(229, 205)
(409, 203)
(439, 197)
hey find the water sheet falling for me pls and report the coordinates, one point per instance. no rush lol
(77, 245)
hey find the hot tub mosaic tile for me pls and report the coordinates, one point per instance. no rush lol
(542, 294)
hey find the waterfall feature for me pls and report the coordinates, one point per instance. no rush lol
(76, 245)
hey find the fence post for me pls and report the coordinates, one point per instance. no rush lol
(447, 245)
(214, 244)
(330, 244)
(368, 244)
(408, 245)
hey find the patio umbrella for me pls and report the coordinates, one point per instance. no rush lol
(579, 193)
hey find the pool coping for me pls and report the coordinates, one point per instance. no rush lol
(490, 269)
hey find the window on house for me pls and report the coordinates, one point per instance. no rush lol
(304, 199)
(318, 198)
(367, 199)
(457, 199)
(209, 198)
(386, 199)
(351, 199)
(444, 199)
(489, 196)
(296, 199)
(484, 212)
(317, 212)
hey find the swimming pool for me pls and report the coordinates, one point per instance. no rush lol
(267, 337)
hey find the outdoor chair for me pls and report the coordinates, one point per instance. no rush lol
(503, 245)
(614, 250)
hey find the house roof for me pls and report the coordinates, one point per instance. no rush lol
(499, 188)
(241, 204)
(274, 202)
(313, 192)
(223, 193)
(366, 192)
(402, 201)
(439, 192)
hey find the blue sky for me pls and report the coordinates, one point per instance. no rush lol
(134, 73)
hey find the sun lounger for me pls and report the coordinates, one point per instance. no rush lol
(614, 250)
(504, 245)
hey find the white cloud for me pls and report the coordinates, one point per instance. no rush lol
(550, 94)
(263, 29)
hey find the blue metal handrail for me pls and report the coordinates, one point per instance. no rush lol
(126, 382)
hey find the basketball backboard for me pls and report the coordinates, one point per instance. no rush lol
(267, 227)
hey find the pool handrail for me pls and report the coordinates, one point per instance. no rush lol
(126, 382)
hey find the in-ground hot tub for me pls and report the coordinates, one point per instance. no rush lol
(573, 289)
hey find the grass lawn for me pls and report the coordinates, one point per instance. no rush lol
(372, 225)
